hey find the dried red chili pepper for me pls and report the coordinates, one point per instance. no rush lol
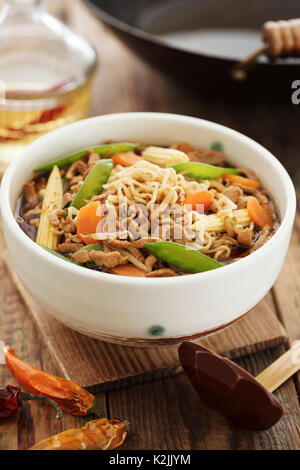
(9, 402)
(11, 398)
(100, 434)
(70, 396)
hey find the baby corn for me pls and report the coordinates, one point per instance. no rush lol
(52, 200)
(215, 223)
(164, 156)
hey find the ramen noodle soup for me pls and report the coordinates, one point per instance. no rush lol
(146, 211)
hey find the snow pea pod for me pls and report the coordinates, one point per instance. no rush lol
(202, 171)
(93, 183)
(107, 150)
(184, 258)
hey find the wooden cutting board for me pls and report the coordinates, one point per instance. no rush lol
(100, 366)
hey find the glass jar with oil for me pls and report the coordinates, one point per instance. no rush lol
(45, 75)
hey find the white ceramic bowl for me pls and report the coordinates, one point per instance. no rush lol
(128, 310)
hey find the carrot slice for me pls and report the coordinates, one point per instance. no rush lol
(199, 197)
(128, 270)
(88, 220)
(240, 180)
(258, 214)
(126, 158)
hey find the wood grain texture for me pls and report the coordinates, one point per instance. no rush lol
(166, 413)
(159, 418)
(281, 370)
(177, 419)
(18, 329)
(287, 291)
(102, 366)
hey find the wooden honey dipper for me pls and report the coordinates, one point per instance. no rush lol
(280, 39)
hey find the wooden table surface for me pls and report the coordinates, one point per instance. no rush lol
(167, 414)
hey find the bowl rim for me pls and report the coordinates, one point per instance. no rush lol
(285, 226)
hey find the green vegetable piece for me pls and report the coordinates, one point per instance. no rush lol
(58, 254)
(202, 171)
(65, 183)
(93, 183)
(184, 258)
(92, 246)
(103, 150)
(217, 145)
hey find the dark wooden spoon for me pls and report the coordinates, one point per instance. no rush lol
(246, 401)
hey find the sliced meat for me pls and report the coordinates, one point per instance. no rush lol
(269, 209)
(30, 195)
(229, 227)
(68, 198)
(183, 147)
(55, 217)
(100, 197)
(110, 260)
(93, 158)
(81, 256)
(125, 244)
(164, 272)
(75, 187)
(70, 237)
(129, 250)
(245, 237)
(68, 226)
(118, 243)
(249, 173)
(263, 236)
(233, 193)
(212, 157)
(68, 247)
(76, 167)
(40, 183)
(215, 206)
(150, 262)
(76, 179)
(106, 247)
(242, 202)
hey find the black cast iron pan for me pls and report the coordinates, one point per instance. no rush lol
(199, 41)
